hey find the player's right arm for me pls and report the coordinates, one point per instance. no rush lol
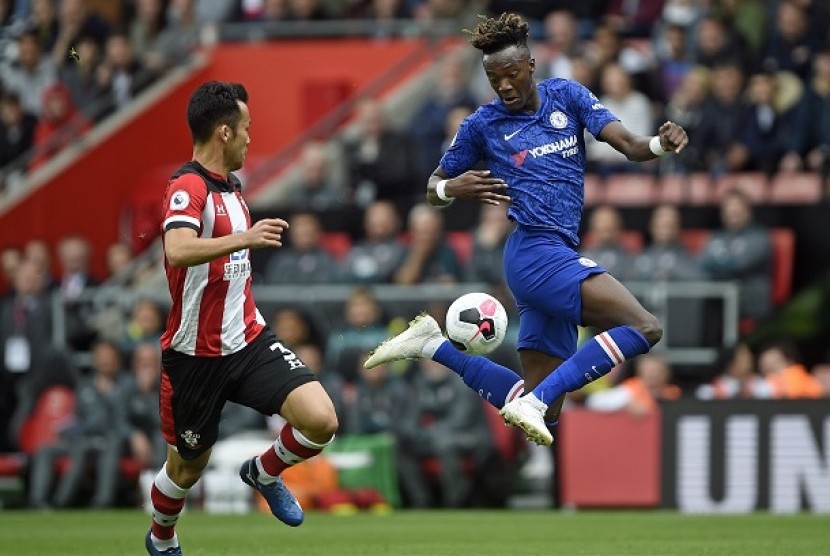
(184, 247)
(454, 178)
(184, 202)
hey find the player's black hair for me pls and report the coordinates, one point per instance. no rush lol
(214, 103)
(496, 33)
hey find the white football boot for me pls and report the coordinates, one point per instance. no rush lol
(528, 413)
(409, 344)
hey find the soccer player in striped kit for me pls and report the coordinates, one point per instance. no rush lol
(531, 138)
(216, 346)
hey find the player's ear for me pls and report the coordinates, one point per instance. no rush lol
(224, 132)
(531, 64)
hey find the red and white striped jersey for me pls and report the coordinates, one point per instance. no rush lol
(213, 311)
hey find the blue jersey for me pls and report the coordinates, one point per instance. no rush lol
(540, 156)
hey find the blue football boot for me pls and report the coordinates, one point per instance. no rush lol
(282, 503)
(153, 551)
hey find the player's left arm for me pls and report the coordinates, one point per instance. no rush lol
(639, 148)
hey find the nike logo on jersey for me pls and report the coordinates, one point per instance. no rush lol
(512, 135)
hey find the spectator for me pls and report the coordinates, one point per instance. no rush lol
(737, 377)
(633, 19)
(724, 113)
(307, 10)
(81, 76)
(639, 394)
(60, 124)
(604, 230)
(294, 327)
(378, 160)
(75, 20)
(717, 45)
(673, 59)
(428, 257)
(685, 108)
(488, 245)
(178, 39)
(428, 123)
(319, 184)
(119, 259)
(17, 129)
(146, 26)
(43, 20)
(765, 126)
(741, 251)
(145, 325)
(442, 420)
(10, 259)
(304, 261)
(454, 118)
(31, 75)
(379, 399)
(74, 254)
(265, 10)
(120, 77)
(809, 144)
(792, 44)
(99, 428)
(375, 259)
(25, 326)
(363, 330)
(632, 108)
(666, 258)
(146, 443)
(785, 376)
(554, 56)
(37, 251)
(747, 17)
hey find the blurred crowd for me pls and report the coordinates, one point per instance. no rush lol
(749, 80)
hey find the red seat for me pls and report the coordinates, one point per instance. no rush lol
(796, 188)
(694, 240)
(633, 190)
(54, 408)
(337, 244)
(462, 244)
(783, 246)
(693, 189)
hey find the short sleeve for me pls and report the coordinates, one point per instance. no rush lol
(465, 151)
(590, 111)
(183, 203)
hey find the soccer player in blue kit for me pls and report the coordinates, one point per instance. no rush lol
(531, 139)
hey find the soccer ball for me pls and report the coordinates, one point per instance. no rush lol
(476, 323)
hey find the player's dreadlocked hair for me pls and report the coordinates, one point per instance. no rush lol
(495, 33)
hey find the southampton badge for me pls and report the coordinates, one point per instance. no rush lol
(558, 120)
(191, 438)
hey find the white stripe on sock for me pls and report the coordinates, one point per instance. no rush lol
(166, 485)
(164, 544)
(300, 437)
(609, 346)
(515, 391)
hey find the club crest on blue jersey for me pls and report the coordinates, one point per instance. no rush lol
(558, 119)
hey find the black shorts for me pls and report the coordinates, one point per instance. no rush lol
(194, 389)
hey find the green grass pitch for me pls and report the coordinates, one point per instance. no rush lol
(435, 533)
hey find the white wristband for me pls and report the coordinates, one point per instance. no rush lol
(656, 147)
(439, 190)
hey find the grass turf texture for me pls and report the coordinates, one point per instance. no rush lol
(437, 533)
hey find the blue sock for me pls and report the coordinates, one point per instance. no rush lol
(598, 356)
(493, 382)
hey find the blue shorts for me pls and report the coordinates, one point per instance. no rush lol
(544, 274)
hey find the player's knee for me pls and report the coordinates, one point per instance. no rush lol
(651, 329)
(320, 426)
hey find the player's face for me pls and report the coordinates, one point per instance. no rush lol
(510, 72)
(237, 145)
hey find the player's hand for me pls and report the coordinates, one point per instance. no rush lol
(478, 185)
(266, 233)
(673, 138)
